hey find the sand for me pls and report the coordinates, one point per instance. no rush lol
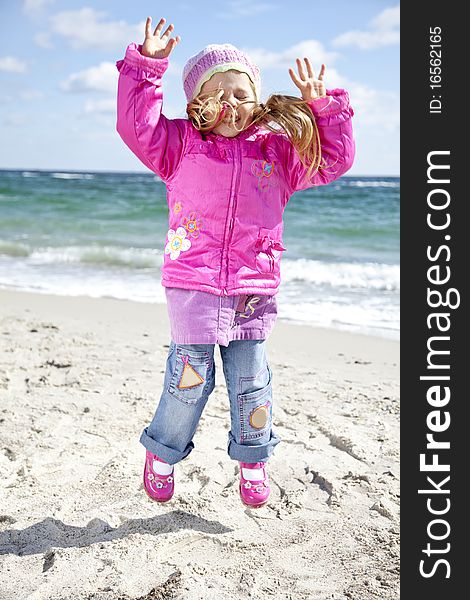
(80, 378)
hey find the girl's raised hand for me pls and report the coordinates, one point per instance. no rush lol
(310, 87)
(156, 45)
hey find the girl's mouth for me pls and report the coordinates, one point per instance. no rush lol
(228, 114)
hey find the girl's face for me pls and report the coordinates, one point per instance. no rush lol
(238, 92)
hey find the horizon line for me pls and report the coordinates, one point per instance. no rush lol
(147, 172)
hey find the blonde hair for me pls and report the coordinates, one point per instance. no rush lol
(280, 114)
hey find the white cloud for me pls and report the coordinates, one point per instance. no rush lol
(10, 64)
(102, 78)
(32, 7)
(389, 18)
(384, 30)
(375, 109)
(367, 40)
(312, 49)
(104, 106)
(88, 28)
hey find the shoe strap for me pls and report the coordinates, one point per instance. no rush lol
(253, 474)
(161, 468)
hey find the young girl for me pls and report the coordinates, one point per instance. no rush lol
(229, 169)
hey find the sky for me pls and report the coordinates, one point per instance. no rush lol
(58, 77)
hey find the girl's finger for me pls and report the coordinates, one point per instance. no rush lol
(171, 44)
(309, 69)
(159, 27)
(168, 31)
(300, 68)
(148, 24)
(322, 72)
(294, 78)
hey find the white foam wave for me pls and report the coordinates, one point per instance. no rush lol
(375, 276)
(363, 184)
(29, 174)
(72, 176)
(137, 285)
(109, 256)
(8, 248)
(364, 315)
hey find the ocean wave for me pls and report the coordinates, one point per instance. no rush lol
(108, 256)
(376, 276)
(136, 258)
(362, 184)
(8, 248)
(92, 284)
(361, 276)
(29, 174)
(104, 256)
(366, 317)
(72, 176)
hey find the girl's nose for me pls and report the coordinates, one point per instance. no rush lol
(231, 100)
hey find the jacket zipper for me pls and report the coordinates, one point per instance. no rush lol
(233, 205)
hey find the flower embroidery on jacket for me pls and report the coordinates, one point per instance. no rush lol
(192, 225)
(177, 242)
(263, 171)
(178, 207)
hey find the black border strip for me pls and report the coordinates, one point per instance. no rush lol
(434, 51)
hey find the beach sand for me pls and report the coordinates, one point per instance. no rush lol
(80, 378)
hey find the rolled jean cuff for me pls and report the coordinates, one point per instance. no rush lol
(169, 455)
(251, 454)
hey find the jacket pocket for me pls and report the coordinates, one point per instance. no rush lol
(192, 375)
(268, 249)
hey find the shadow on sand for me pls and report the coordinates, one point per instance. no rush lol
(50, 532)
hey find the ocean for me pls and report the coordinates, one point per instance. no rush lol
(103, 235)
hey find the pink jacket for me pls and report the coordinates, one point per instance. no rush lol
(226, 196)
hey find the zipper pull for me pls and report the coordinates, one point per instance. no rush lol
(230, 226)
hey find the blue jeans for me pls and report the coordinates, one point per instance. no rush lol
(189, 381)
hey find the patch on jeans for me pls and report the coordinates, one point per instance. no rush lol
(189, 377)
(259, 417)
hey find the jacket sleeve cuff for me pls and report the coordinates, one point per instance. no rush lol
(334, 104)
(150, 67)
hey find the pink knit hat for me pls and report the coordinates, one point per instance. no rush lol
(217, 58)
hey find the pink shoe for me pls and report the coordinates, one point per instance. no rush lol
(254, 484)
(159, 484)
